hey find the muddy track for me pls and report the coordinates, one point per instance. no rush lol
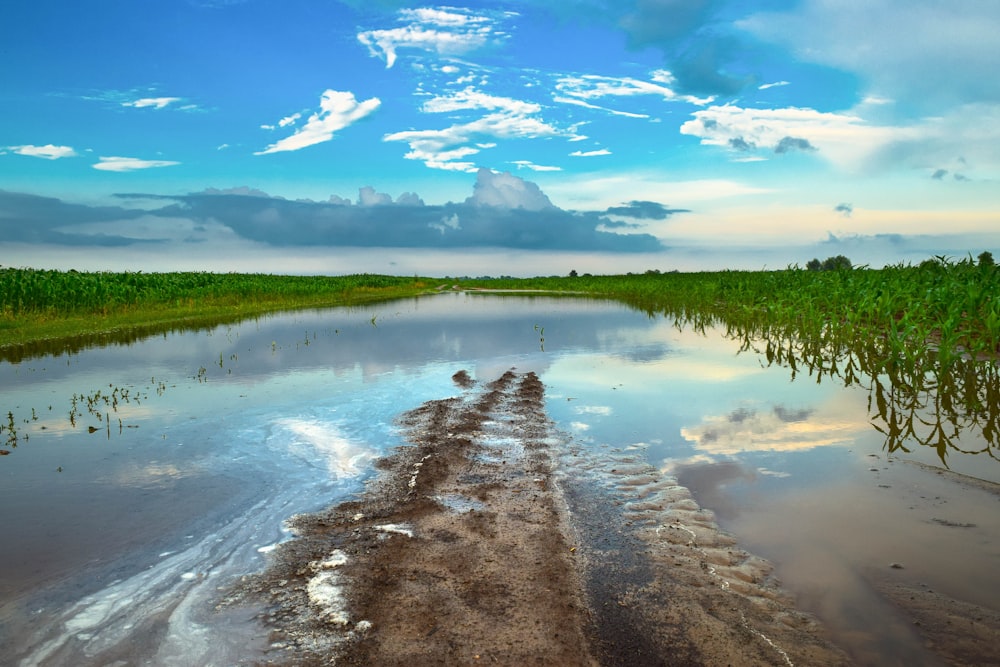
(479, 544)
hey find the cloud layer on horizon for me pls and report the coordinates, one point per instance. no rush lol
(504, 211)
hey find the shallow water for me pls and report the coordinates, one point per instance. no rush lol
(117, 542)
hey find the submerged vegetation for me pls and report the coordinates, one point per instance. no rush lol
(923, 340)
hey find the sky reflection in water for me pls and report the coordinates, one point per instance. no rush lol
(227, 432)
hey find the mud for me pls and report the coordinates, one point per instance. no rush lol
(487, 541)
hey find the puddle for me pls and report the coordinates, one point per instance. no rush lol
(147, 476)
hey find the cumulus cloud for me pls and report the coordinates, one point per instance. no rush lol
(47, 152)
(505, 190)
(447, 31)
(504, 211)
(123, 164)
(338, 109)
(841, 137)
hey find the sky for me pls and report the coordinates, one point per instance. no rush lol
(509, 137)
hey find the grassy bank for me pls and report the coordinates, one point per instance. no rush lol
(952, 306)
(40, 305)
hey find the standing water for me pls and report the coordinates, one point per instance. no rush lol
(142, 478)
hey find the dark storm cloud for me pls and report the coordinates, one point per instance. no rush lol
(280, 222)
(698, 47)
(644, 210)
(524, 219)
(26, 218)
(789, 144)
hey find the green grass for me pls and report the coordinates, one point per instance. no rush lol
(40, 305)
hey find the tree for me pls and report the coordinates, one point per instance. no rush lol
(572, 274)
(829, 264)
(836, 263)
(986, 259)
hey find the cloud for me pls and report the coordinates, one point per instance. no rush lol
(47, 152)
(123, 164)
(697, 43)
(505, 190)
(504, 211)
(26, 218)
(747, 430)
(447, 31)
(645, 210)
(289, 120)
(527, 164)
(789, 144)
(939, 174)
(594, 153)
(592, 86)
(927, 53)
(844, 138)
(844, 209)
(155, 102)
(338, 109)
(765, 86)
(447, 148)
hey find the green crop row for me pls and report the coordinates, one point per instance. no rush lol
(33, 292)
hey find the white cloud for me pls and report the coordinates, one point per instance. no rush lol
(156, 102)
(600, 151)
(289, 120)
(594, 86)
(505, 190)
(850, 142)
(928, 52)
(470, 98)
(447, 148)
(444, 31)
(776, 84)
(48, 151)
(527, 164)
(122, 164)
(338, 109)
(588, 105)
(841, 137)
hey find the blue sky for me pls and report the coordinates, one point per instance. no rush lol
(519, 137)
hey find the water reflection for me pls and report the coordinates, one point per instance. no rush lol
(206, 440)
(923, 401)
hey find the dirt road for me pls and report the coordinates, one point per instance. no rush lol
(473, 547)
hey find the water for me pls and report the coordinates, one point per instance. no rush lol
(148, 475)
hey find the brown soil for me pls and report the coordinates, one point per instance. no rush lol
(471, 546)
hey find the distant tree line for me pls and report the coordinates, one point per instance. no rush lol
(829, 264)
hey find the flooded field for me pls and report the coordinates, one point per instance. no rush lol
(142, 478)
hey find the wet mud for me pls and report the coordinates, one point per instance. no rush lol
(489, 540)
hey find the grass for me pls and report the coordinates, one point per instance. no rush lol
(38, 306)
